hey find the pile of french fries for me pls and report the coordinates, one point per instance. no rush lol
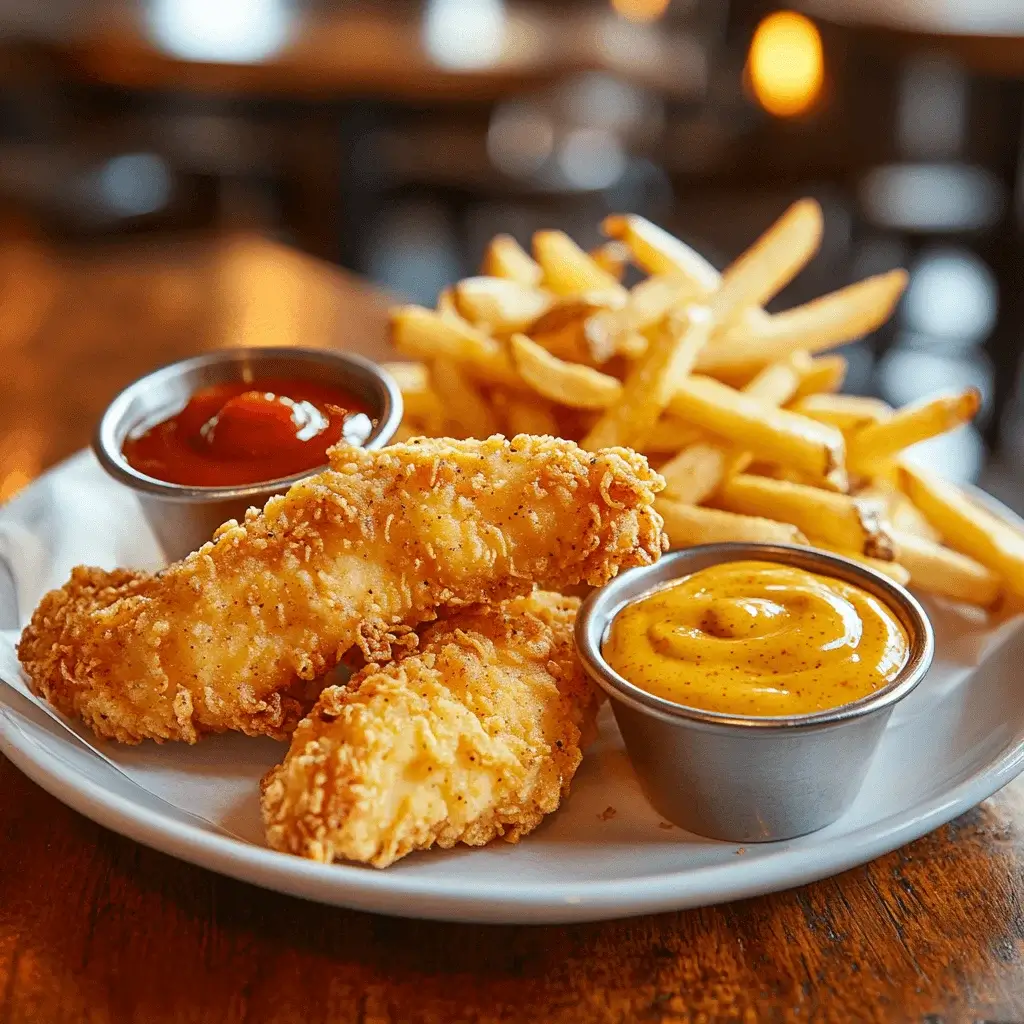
(738, 408)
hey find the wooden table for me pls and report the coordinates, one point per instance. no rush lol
(96, 928)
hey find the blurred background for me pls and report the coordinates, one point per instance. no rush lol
(392, 139)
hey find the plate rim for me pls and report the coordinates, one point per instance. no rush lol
(543, 902)
(461, 899)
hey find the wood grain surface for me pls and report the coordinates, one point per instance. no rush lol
(95, 928)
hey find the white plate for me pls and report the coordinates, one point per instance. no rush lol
(955, 741)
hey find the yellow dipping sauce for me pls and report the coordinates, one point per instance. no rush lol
(758, 638)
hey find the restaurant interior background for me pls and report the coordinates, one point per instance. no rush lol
(395, 138)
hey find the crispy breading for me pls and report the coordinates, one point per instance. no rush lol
(227, 638)
(477, 735)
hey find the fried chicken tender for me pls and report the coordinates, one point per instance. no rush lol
(229, 638)
(476, 735)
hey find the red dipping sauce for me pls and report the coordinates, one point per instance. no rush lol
(249, 432)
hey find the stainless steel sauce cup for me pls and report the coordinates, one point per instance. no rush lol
(741, 778)
(183, 518)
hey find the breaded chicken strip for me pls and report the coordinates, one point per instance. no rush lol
(475, 736)
(352, 556)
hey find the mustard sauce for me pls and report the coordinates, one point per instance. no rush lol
(758, 638)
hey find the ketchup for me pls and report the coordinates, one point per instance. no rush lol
(249, 432)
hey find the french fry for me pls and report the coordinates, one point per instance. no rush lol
(524, 414)
(610, 331)
(966, 526)
(913, 423)
(465, 408)
(771, 262)
(427, 335)
(824, 323)
(653, 381)
(558, 380)
(849, 523)
(773, 434)
(505, 257)
(757, 432)
(447, 310)
(906, 517)
(669, 435)
(894, 570)
(633, 345)
(654, 296)
(499, 305)
(568, 269)
(406, 432)
(562, 329)
(612, 257)
(825, 375)
(937, 569)
(695, 473)
(778, 383)
(688, 525)
(419, 399)
(845, 412)
(413, 379)
(658, 252)
(903, 515)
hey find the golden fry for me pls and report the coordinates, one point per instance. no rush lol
(778, 383)
(447, 310)
(611, 331)
(612, 257)
(425, 334)
(695, 473)
(568, 269)
(913, 423)
(903, 515)
(572, 384)
(524, 414)
(966, 526)
(467, 412)
(850, 523)
(773, 434)
(652, 382)
(825, 374)
(562, 329)
(937, 569)
(670, 435)
(505, 257)
(499, 305)
(824, 323)
(689, 525)
(893, 570)
(845, 412)
(413, 379)
(771, 262)
(658, 252)
(420, 401)
(406, 432)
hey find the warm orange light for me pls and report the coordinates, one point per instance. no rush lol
(640, 10)
(786, 64)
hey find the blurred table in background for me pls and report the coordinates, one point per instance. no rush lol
(438, 49)
(94, 927)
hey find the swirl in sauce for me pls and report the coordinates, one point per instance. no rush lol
(758, 638)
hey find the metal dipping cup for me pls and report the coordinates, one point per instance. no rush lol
(184, 518)
(740, 778)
